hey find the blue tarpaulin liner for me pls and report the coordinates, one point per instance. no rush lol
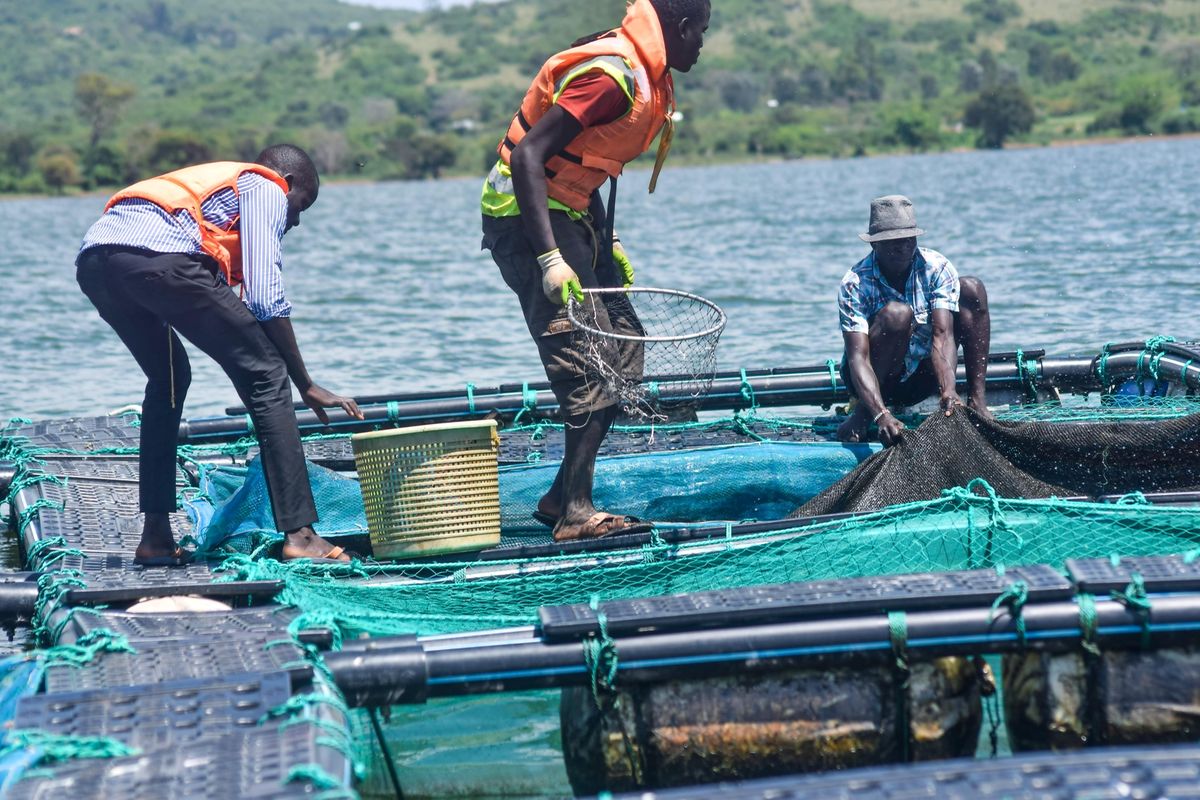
(731, 483)
(234, 505)
(19, 677)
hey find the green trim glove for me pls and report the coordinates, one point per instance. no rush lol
(622, 261)
(559, 281)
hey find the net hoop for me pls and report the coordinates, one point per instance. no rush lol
(714, 330)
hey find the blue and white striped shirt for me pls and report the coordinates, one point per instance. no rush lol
(263, 213)
(932, 284)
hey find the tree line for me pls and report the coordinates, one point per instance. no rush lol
(111, 91)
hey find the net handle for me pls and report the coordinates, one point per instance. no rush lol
(716, 329)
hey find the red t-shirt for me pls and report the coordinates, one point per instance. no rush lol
(593, 99)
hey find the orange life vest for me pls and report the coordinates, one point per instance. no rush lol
(602, 151)
(186, 190)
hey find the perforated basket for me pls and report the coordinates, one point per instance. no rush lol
(649, 349)
(430, 490)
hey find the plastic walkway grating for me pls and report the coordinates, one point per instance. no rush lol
(253, 764)
(264, 623)
(119, 469)
(91, 515)
(1160, 573)
(784, 602)
(113, 569)
(1164, 772)
(172, 660)
(168, 714)
(90, 434)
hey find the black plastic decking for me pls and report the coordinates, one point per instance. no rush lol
(1141, 772)
(196, 695)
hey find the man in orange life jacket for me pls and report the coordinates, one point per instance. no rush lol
(161, 261)
(591, 109)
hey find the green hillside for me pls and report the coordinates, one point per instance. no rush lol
(100, 93)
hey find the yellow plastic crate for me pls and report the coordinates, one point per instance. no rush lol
(430, 490)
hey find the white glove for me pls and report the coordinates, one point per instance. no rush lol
(559, 281)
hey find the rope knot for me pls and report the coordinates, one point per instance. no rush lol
(600, 656)
(1137, 603)
(1014, 599)
(747, 392)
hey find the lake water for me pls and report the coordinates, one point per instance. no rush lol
(1078, 246)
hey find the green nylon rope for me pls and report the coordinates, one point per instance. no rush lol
(1102, 366)
(1014, 598)
(56, 748)
(528, 403)
(314, 774)
(600, 656)
(1087, 623)
(45, 552)
(85, 650)
(831, 365)
(747, 392)
(898, 634)
(1137, 603)
(1027, 372)
(52, 588)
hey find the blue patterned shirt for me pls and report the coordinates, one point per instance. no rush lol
(932, 284)
(263, 211)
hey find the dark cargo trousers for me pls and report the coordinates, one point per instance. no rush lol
(573, 378)
(140, 293)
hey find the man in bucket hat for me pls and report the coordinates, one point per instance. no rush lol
(904, 312)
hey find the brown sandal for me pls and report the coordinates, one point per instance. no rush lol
(602, 524)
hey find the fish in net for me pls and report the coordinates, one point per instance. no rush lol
(651, 350)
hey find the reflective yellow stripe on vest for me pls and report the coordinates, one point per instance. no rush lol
(499, 199)
(614, 67)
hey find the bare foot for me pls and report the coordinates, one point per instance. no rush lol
(980, 407)
(550, 504)
(304, 543)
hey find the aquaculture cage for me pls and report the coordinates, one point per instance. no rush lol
(536, 669)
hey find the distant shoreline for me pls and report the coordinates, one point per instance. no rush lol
(1052, 144)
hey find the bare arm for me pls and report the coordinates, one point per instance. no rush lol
(944, 354)
(282, 335)
(554, 131)
(866, 382)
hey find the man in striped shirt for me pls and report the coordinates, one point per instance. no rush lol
(161, 261)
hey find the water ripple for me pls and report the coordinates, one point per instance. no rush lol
(1078, 246)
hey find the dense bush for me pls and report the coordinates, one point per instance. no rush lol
(109, 92)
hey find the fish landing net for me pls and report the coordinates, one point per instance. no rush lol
(651, 350)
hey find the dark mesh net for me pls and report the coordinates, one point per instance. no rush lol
(626, 334)
(1021, 460)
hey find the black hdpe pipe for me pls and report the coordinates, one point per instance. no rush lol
(18, 596)
(769, 388)
(494, 394)
(8, 471)
(411, 669)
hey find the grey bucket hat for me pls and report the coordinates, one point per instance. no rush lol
(892, 217)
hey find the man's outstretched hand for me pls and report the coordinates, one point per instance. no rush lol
(319, 398)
